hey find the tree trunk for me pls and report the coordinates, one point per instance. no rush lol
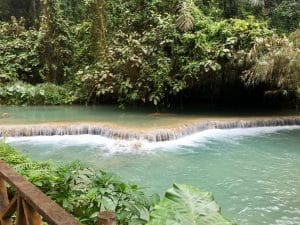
(99, 26)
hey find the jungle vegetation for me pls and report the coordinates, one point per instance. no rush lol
(155, 52)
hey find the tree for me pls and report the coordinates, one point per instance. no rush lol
(98, 27)
(55, 43)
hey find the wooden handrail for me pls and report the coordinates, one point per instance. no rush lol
(30, 204)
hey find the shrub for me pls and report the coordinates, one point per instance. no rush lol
(19, 59)
(83, 191)
(20, 93)
(275, 63)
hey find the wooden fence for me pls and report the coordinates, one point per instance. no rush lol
(30, 206)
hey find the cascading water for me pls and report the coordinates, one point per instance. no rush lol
(113, 146)
(154, 135)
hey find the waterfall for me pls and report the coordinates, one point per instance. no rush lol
(155, 135)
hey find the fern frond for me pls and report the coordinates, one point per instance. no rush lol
(185, 21)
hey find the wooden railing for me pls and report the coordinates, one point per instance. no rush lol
(31, 206)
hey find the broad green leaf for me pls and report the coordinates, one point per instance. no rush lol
(187, 205)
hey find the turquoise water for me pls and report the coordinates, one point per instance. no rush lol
(109, 114)
(254, 173)
(130, 117)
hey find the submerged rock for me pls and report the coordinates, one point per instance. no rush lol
(5, 115)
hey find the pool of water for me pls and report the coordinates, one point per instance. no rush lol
(254, 173)
(57, 114)
(141, 117)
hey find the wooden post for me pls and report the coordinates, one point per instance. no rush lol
(31, 216)
(21, 220)
(3, 195)
(4, 202)
(107, 218)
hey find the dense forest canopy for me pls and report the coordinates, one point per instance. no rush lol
(149, 51)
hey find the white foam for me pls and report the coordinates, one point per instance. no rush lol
(112, 146)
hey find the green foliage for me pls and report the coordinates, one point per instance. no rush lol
(73, 10)
(55, 43)
(30, 55)
(20, 93)
(135, 69)
(136, 51)
(19, 59)
(275, 62)
(286, 16)
(168, 54)
(187, 205)
(9, 155)
(83, 191)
